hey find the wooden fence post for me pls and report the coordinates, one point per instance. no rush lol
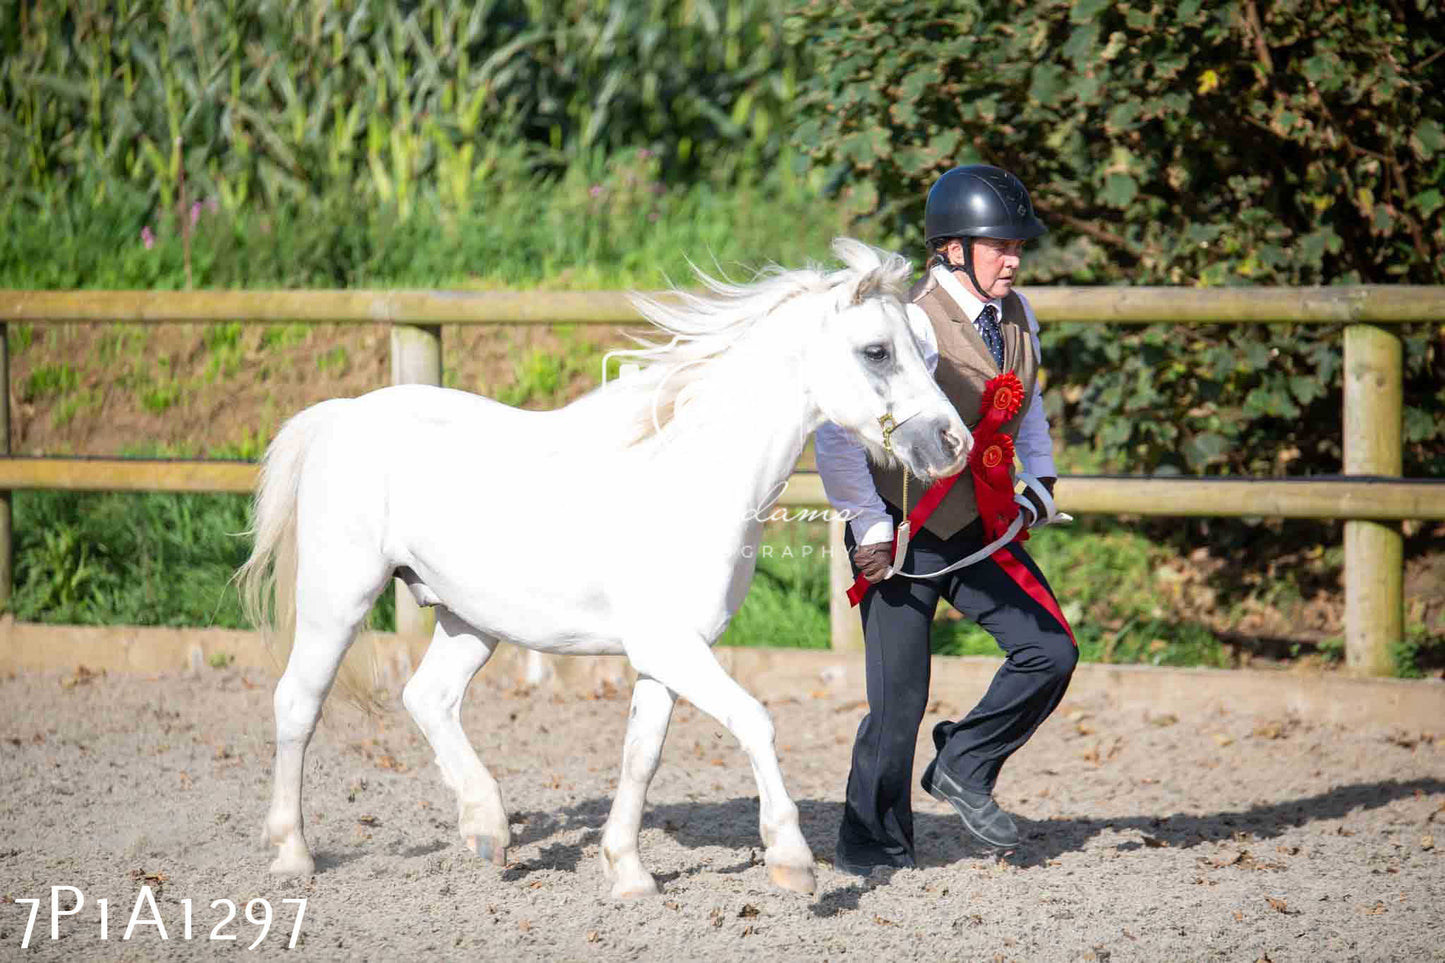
(7, 541)
(1374, 551)
(845, 628)
(416, 359)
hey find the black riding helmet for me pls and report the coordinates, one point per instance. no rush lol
(979, 200)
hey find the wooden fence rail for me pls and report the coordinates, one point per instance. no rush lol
(1371, 496)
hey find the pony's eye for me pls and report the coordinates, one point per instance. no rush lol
(876, 352)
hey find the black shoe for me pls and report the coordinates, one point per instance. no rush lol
(865, 864)
(981, 816)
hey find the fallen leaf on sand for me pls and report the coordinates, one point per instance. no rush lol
(1154, 843)
(1163, 721)
(1084, 729)
(141, 876)
(1402, 739)
(83, 676)
(882, 922)
(1223, 740)
(1279, 906)
(593, 936)
(1375, 910)
(1241, 858)
(1270, 730)
(1427, 842)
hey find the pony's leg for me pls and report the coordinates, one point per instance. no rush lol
(311, 669)
(433, 696)
(646, 729)
(332, 599)
(689, 668)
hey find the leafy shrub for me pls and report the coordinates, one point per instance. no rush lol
(1186, 143)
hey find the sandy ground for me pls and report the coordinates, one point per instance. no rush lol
(1218, 836)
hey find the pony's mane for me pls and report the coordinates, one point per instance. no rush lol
(702, 327)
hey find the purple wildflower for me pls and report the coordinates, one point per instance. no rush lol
(147, 237)
(195, 213)
(596, 190)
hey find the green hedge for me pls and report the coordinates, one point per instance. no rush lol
(1179, 143)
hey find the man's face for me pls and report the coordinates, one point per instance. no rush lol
(995, 263)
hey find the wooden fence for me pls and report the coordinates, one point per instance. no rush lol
(1370, 495)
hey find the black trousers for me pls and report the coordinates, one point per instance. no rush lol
(897, 622)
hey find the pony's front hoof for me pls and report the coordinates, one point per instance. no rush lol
(635, 887)
(797, 879)
(486, 847)
(293, 861)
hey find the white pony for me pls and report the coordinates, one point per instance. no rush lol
(622, 523)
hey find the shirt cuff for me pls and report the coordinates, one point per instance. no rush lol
(870, 528)
(1040, 466)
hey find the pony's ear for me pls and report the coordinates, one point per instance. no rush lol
(868, 285)
(856, 254)
(880, 272)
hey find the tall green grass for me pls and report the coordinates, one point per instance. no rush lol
(601, 222)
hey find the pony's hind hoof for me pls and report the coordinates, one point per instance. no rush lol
(796, 879)
(486, 848)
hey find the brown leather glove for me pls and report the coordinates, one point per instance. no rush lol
(874, 560)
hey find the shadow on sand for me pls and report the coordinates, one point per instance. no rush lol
(732, 823)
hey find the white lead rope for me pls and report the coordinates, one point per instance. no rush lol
(1051, 516)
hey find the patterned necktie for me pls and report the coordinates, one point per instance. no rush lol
(988, 329)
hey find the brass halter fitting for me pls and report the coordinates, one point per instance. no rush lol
(887, 423)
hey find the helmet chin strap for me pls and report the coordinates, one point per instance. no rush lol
(967, 244)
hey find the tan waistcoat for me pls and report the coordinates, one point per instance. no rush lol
(964, 365)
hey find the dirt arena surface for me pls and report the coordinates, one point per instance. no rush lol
(1207, 836)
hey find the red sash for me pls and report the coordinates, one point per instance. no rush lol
(989, 464)
(993, 487)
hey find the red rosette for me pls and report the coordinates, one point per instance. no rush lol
(1003, 396)
(991, 454)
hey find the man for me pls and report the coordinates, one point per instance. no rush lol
(972, 327)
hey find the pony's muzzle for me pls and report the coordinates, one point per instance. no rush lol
(933, 448)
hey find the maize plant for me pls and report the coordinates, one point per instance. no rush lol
(297, 99)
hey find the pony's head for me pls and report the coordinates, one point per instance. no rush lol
(866, 372)
(846, 336)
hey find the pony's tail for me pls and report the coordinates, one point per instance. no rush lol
(267, 580)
